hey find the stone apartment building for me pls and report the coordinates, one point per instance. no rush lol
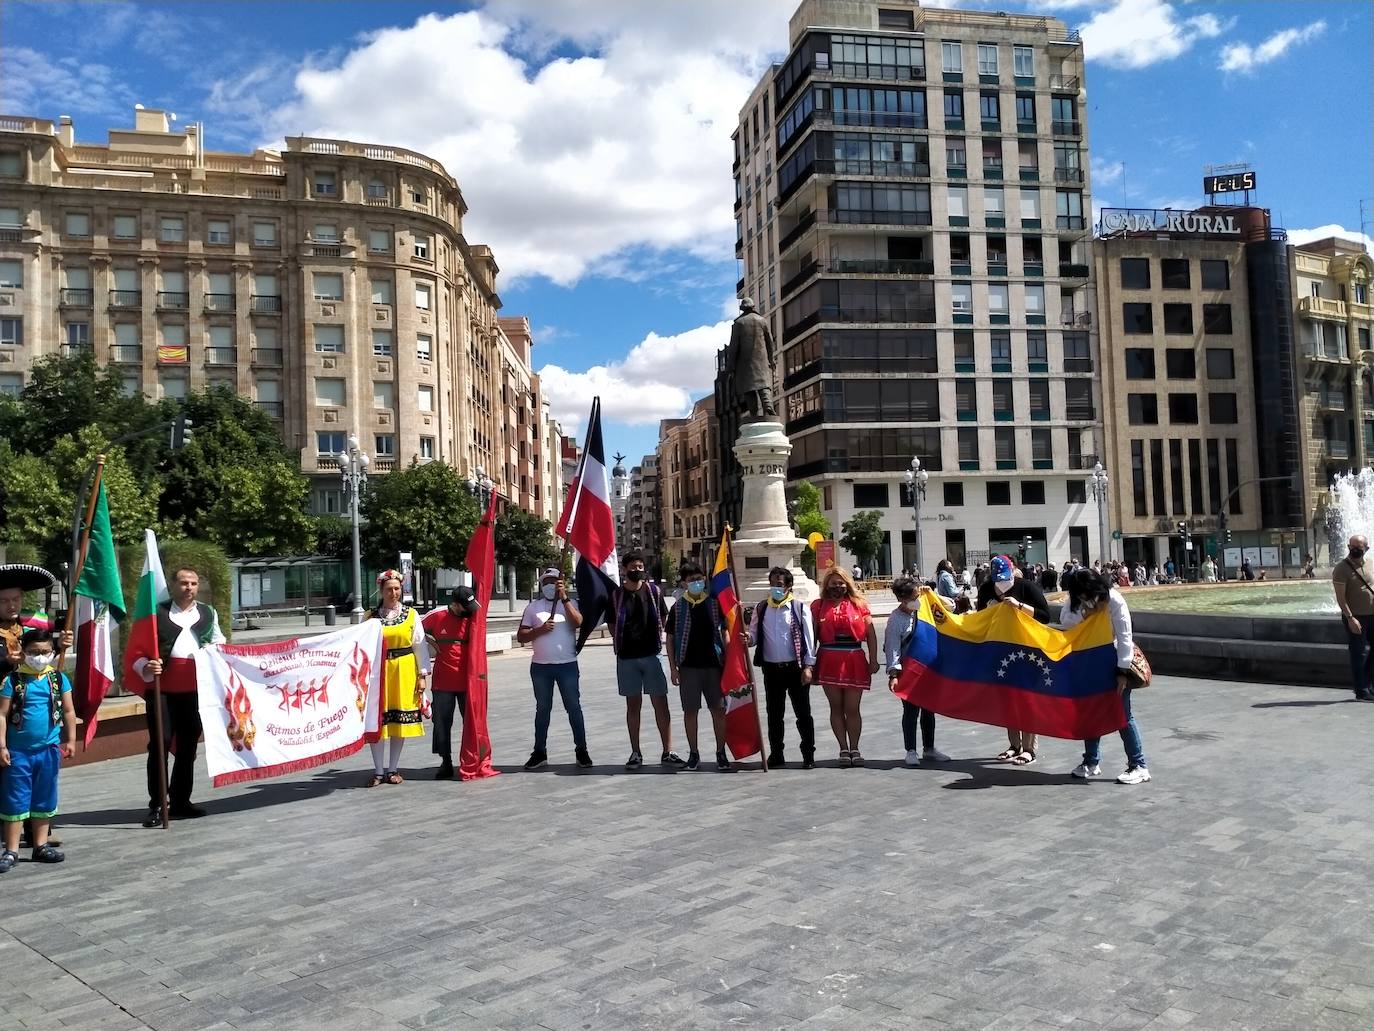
(689, 458)
(330, 282)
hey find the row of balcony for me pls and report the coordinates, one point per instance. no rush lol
(132, 354)
(968, 462)
(906, 219)
(261, 304)
(913, 268)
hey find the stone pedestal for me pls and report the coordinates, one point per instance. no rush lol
(765, 537)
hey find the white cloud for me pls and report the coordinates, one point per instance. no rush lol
(1241, 57)
(32, 79)
(1302, 236)
(1139, 33)
(658, 379)
(567, 162)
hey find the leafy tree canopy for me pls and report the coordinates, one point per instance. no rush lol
(524, 541)
(424, 509)
(863, 537)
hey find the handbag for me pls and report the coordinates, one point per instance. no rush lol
(1140, 670)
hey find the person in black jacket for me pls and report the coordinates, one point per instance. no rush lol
(1006, 586)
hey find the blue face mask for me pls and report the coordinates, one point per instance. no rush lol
(696, 587)
(778, 593)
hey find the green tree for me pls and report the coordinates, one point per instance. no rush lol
(63, 395)
(863, 537)
(810, 520)
(260, 510)
(424, 509)
(524, 541)
(334, 537)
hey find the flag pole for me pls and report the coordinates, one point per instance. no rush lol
(161, 750)
(749, 666)
(80, 558)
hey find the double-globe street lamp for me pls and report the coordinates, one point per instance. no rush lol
(916, 479)
(353, 465)
(1100, 481)
(481, 487)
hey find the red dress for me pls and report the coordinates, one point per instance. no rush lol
(841, 633)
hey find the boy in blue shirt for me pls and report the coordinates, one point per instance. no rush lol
(37, 730)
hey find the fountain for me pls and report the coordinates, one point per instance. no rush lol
(1350, 510)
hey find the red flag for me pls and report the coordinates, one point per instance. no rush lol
(743, 735)
(474, 757)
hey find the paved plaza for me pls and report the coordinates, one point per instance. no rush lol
(1232, 892)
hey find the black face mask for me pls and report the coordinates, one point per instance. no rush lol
(836, 592)
(634, 575)
(1357, 554)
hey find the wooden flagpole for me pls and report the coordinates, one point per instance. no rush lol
(748, 665)
(80, 558)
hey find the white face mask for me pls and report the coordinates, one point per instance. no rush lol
(1002, 586)
(549, 591)
(39, 662)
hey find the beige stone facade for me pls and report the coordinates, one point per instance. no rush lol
(331, 283)
(642, 523)
(689, 482)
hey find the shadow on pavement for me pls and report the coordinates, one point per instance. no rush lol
(1303, 704)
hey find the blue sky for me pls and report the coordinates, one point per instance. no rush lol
(591, 138)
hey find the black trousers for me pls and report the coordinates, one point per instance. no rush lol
(443, 705)
(781, 681)
(180, 731)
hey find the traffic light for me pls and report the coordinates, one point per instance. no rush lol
(1221, 519)
(1023, 549)
(181, 431)
(1182, 528)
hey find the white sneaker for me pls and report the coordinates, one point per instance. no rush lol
(1135, 775)
(1084, 772)
(935, 755)
(913, 758)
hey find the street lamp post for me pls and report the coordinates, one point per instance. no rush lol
(916, 478)
(480, 486)
(353, 465)
(1100, 482)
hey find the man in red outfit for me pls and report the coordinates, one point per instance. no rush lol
(449, 630)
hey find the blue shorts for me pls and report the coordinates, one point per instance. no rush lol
(634, 677)
(28, 785)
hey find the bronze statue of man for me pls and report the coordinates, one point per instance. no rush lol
(751, 363)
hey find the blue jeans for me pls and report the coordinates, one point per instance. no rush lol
(1130, 738)
(544, 676)
(1361, 646)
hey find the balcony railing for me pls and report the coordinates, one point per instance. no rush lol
(172, 300)
(1338, 448)
(1332, 400)
(1029, 173)
(1078, 365)
(77, 298)
(805, 222)
(880, 316)
(267, 356)
(1080, 413)
(219, 302)
(126, 354)
(126, 298)
(1068, 175)
(1068, 270)
(1066, 128)
(1321, 306)
(274, 409)
(265, 304)
(11, 234)
(1069, 222)
(1064, 82)
(221, 356)
(881, 266)
(1076, 318)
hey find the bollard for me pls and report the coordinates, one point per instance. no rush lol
(330, 615)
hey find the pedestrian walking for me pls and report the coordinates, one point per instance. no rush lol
(696, 642)
(1005, 585)
(448, 633)
(549, 626)
(1352, 578)
(901, 623)
(637, 635)
(1089, 593)
(944, 582)
(403, 680)
(784, 640)
(844, 627)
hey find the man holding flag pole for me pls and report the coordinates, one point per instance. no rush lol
(743, 726)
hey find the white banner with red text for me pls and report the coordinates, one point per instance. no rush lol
(286, 706)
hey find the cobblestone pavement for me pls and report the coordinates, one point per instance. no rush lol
(1232, 892)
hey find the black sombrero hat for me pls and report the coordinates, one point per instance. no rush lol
(25, 577)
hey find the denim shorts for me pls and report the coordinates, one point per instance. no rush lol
(28, 786)
(634, 677)
(695, 684)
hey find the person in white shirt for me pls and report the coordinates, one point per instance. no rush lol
(784, 636)
(549, 625)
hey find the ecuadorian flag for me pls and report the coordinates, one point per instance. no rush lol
(1000, 666)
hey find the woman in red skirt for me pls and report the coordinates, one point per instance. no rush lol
(843, 628)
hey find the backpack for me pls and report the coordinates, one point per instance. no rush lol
(21, 691)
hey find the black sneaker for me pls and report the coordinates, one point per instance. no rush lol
(776, 761)
(536, 760)
(584, 759)
(445, 771)
(7, 860)
(47, 854)
(723, 761)
(672, 759)
(634, 762)
(808, 763)
(154, 817)
(693, 760)
(186, 811)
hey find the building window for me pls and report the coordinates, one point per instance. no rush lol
(11, 384)
(994, 206)
(870, 495)
(1037, 349)
(426, 447)
(1157, 477)
(1361, 294)
(1000, 349)
(1135, 273)
(1142, 409)
(264, 234)
(1173, 273)
(1140, 363)
(424, 400)
(422, 296)
(326, 184)
(968, 447)
(420, 246)
(1216, 274)
(1183, 409)
(951, 58)
(1216, 319)
(11, 273)
(78, 334)
(1068, 207)
(1137, 318)
(988, 108)
(376, 190)
(11, 163)
(965, 399)
(999, 305)
(126, 227)
(1178, 319)
(1221, 363)
(381, 292)
(954, 494)
(328, 286)
(999, 492)
(1138, 477)
(1025, 109)
(961, 298)
(1035, 301)
(1221, 409)
(1030, 204)
(11, 332)
(987, 59)
(1076, 492)
(172, 384)
(329, 340)
(424, 347)
(383, 344)
(383, 394)
(1039, 390)
(218, 230)
(326, 232)
(330, 443)
(1180, 362)
(1022, 62)
(78, 225)
(330, 392)
(385, 445)
(1004, 447)
(379, 241)
(172, 229)
(1032, 492)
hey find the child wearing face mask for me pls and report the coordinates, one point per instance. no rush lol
(37, 730)
(901, 623)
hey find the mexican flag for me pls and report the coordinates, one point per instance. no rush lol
(99, 607)
(152, 590)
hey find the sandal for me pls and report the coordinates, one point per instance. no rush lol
(47, 854)
(1007, 756)
(394, 777)
(855, 759)
(373, 781)
(7, 860)
(846, 757)
(1024, 759)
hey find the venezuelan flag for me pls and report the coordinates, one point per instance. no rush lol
(1000, 666)
(743, 735)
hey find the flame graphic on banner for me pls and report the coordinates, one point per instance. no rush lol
(242, 731)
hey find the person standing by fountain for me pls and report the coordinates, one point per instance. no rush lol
(1351, 579)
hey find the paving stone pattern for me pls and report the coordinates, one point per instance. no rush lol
(1232, 892)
